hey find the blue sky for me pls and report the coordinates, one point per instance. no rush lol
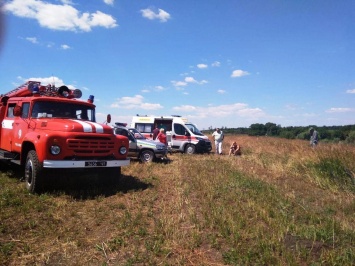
(225, 63)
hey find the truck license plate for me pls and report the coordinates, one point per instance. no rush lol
(96, 164)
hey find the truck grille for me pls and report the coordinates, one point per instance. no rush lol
(91, 146)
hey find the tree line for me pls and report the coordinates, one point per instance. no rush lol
(326, 133)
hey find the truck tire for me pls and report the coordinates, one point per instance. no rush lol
(190, 149)
(146, 156)
(33, 172)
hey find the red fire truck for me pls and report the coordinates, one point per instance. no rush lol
(45, 128)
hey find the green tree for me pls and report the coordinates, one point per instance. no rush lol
(350, 138)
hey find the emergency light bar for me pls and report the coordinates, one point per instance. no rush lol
(34, 88)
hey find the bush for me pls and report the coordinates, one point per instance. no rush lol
(350, 138)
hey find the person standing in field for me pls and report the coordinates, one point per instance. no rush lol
(162, 137)
(155, 132)
(218, 140)
(314, 137)
(234, 149)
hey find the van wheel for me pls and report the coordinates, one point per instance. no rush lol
(146, 156)
(190, 149)
(33, 172)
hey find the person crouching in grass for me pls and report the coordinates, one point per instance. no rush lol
(235, 149)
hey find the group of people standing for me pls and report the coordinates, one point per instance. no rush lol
(234, 149)
(218, 137)
(158, 134)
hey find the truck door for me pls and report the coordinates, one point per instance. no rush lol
(7, 128)
(20, 127)
(179, 137)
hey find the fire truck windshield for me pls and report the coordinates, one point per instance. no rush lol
(51, 109)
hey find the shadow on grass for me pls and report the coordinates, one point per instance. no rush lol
(82, 187)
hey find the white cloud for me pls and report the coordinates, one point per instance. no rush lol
(222, 111)
(46, 81)
(49, 80)
(340, 110)
(159, 88)
(179, 83)
(201, 66)
(185, 108)
(350, 91)
(59, 17)
(190, 80)
(187, 80)
(65, 47)
(162, 15)
(136, 102)
(221, 91)
(32, 40)
(67, 2)
(216, 64)
(239, 73)
(109, 2)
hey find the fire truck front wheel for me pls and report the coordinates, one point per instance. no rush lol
(33, 172)
(190, 149)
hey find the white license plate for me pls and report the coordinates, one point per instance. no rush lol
(96, 164)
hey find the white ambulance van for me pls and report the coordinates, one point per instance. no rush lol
(182, 135)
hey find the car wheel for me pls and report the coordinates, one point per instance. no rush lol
(33, 172)
(190, 149)
(146, 156)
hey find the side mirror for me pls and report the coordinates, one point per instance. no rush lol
(17, 110)
(187, 133)
(108, 119)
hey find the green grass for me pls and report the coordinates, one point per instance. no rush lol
(280, 203)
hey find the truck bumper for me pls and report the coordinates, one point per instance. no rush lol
(85, 164)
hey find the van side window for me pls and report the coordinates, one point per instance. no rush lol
(179, 129)
(146, 128)
(25, 110)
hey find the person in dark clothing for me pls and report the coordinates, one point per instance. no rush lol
(314, 137)
(155, 132)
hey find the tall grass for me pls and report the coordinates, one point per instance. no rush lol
(280, 203)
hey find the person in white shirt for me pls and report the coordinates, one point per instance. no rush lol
(218, 140)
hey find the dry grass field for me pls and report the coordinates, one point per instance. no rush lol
(280, 203)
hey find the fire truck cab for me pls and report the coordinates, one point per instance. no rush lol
(47, 128)
(182, 136)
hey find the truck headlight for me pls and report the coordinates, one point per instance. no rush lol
(123, 150)
(55, 149)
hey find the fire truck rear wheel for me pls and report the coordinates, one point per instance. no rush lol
(33, 172)
(146, 156)
(190, 149)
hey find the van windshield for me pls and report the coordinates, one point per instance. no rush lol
(193, 129)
